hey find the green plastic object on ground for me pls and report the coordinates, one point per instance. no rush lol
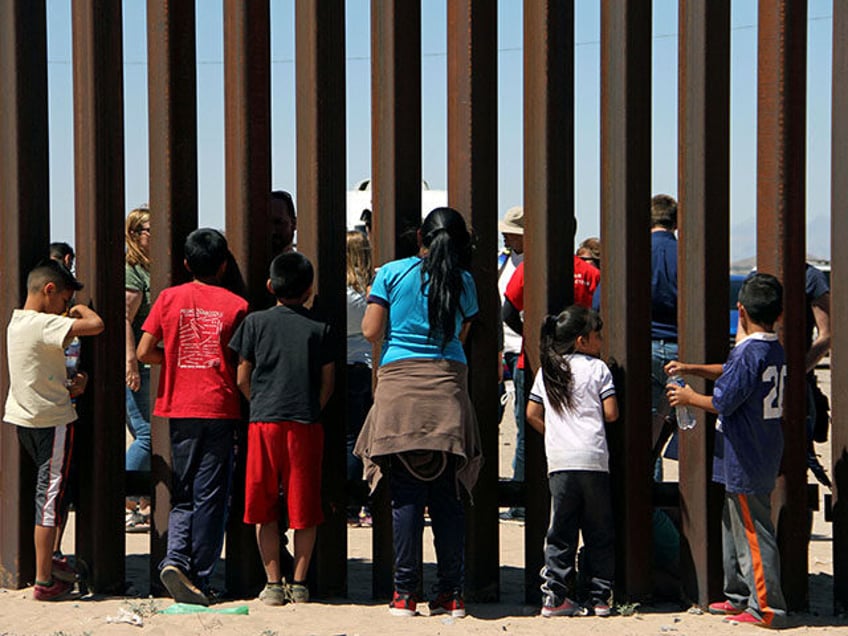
(190, 608)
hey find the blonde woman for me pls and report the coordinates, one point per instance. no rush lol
(138, 301)
(359, 275)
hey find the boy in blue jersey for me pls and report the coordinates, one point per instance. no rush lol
(748, 397)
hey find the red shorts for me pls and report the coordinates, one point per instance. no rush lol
(284, 456)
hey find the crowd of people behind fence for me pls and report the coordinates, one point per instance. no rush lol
(417, 428)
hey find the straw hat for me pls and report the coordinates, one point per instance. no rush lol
(513, 221)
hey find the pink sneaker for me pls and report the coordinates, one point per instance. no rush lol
(60, 590)
(725, 608)
(63, 571)
(566, 608)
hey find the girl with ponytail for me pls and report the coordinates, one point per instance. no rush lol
(421, 431)
(572, 397)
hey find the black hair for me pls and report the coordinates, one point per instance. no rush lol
(58, 251)
(762, 297)
(291, 275)
(448, 244)
(51, 271)
(285, 197)
(205, 250)
(559, 335)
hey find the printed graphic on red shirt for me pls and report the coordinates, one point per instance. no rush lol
(199, 338)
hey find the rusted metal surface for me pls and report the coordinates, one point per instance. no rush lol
(24, 219)
(625, 223)
(839, 306)
(781, 244)
(703, 257)
(172, 103)
(550, 223)
(395, 180)
(321, 178)
(99, 199)
(472, 189)
(395, 126)
(247, 114)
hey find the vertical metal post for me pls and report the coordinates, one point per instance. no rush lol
(703, 257)
(839, 306)
(99, 172)
(172, 98)
(625, 222)
(395, 124)
(550, 223)
(472, 189)
(781, 246)
(247, 113)
(24, 217)
(321, 176)
(395, 183)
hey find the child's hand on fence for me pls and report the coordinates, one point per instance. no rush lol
(77, 384)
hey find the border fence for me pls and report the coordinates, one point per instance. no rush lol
(704, 168)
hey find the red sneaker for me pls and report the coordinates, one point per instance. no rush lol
(402, 605)
(749, 618)
(725, 608)
(60, 590)
(63, 571)
(448, 603)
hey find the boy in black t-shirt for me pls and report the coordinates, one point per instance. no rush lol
(286, 371)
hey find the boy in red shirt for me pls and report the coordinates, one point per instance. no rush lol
(198, 392)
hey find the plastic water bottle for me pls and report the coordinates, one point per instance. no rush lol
(685, 417)
(72, 356)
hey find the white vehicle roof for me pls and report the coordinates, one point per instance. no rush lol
(359, 199)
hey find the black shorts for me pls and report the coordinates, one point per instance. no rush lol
(50, 449)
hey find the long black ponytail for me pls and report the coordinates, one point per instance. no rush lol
(558, 337)
(448, 244)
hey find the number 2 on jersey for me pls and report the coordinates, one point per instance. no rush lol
(773, 402)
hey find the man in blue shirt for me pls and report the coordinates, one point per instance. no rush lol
(663, 298)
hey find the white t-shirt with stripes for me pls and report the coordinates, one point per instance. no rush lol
(575, 438)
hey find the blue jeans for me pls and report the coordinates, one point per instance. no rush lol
(662, 352)
(138, 421)
(520, 406)
(410, 496)
(202, 467)
(580, 501)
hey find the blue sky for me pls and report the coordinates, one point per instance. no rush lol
(434, 109)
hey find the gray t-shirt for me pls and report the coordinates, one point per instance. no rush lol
(287, 348)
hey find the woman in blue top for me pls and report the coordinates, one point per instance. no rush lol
(421, 430)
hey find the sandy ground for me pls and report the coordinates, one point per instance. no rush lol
(359, 614)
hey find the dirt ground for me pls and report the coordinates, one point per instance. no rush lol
(21, 615)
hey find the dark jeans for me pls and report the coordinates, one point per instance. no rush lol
(410, 496)
(202, 467)
(359, 401)
(580, 501)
